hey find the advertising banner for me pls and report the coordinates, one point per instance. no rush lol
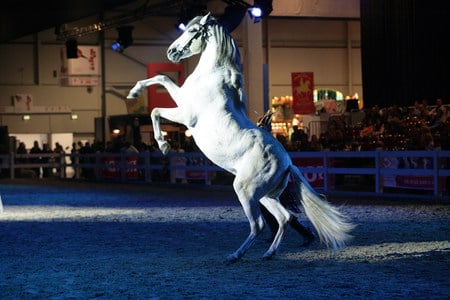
(408, 181)
(83, 70)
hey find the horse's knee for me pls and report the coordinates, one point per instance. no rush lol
(164, 147)
(154, 115)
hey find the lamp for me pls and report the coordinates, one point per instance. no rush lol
(72, 48)
(260, 9)
(74, 117)
(125, 38)
(26, 117)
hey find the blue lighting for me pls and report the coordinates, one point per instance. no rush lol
(117, 47)
(256, 12)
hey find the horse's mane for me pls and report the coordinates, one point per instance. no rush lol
(227, 50)
(227, 55)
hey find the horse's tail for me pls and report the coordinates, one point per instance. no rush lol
(332, 226)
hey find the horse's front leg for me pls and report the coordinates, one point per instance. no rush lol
(172, 114)
(163, 80)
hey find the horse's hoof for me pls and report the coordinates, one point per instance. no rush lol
(268, 255)
(231, 259)
(133, 95)
(165, 148)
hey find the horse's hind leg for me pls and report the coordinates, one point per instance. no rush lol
(251, 209)
(282, 216)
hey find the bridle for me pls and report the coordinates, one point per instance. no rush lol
(201, 32)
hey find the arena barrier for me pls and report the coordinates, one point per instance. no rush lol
(374, 173)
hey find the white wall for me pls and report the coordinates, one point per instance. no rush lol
(329, 48)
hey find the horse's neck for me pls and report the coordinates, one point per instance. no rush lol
(211, 59)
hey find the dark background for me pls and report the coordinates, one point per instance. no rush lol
(405, 52)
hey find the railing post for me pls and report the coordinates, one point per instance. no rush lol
(123, 167)
(62, 165)
(325, 172)
(76, 167)
(436, 167)
(377, 171)
(147, 170)
(12, 169)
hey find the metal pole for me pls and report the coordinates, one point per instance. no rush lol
(103, 82)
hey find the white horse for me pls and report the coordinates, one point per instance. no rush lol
(211, 104)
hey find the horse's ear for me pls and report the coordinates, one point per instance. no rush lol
(205, 19)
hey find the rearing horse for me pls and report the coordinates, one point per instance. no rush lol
(211, 104)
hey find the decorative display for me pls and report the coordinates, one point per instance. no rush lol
(81, 71)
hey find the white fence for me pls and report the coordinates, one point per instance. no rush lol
(412, 173)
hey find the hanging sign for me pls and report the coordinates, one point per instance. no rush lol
(302, 92)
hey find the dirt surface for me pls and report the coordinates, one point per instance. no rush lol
(72, 240)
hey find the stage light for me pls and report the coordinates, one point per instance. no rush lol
(260, 9)
(256, 12)
(72, 48)
(124, 40)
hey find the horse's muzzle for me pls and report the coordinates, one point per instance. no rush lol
(173, 55)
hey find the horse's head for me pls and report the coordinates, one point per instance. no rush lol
(193, 39)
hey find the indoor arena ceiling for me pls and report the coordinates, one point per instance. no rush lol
(23, 17)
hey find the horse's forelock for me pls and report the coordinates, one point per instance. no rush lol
(194, 21)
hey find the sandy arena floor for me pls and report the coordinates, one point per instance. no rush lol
(72, 240)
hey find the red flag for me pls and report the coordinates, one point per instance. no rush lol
(302, 92)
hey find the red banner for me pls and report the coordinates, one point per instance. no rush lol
(302, 93)
(157, 95)
(315, 179)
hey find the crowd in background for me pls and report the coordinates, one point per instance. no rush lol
(419, 127)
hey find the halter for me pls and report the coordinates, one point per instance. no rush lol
(202, 32)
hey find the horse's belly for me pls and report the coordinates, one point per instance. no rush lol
(240, 150)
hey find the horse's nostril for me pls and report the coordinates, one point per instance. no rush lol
(171, 50)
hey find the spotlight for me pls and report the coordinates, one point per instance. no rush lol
(256, 12)
(124, 40)
(260, 9)
(72, 48)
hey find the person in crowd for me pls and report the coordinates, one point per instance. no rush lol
(420, 109)
(314, 144)
(46, 158)
(20, 151)
(299, 139)
(35, 150)
(437, 116)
